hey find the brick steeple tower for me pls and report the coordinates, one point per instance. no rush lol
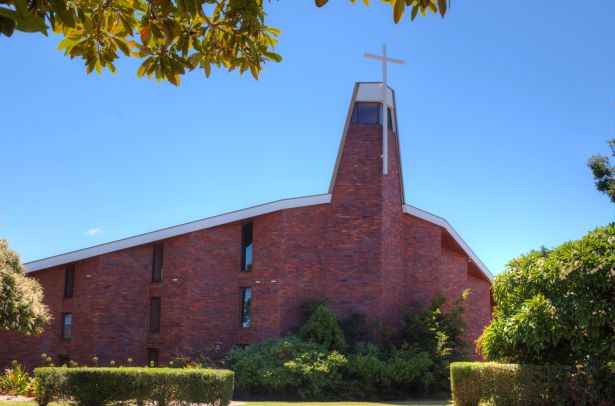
(365, 204)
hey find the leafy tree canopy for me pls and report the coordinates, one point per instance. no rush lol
(21, 307)
(172, 37)
(558, 306)
(604, 172)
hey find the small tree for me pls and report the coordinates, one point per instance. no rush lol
(322, 328)
(604, 172)
(21, 307)
(439, 333)
(558, 306)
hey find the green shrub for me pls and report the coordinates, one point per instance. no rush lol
(100, 386)
(319, 366)
(50, 384)
(16, 381)
(556, 306)
(261, 368)
(318, 375)
(394, 373)
(291, 367)
(322, 328)
(439, 333)
(475, 383)
(288, 367)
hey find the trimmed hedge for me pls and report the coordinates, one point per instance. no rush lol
(100, 386)
(474, 383)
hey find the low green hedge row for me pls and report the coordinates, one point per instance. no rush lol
(100, 386)
(477, 383)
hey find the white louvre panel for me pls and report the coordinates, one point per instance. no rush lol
(372, 92)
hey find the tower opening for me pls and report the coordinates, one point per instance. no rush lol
(371, 113)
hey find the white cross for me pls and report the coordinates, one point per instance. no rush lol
(385, 119)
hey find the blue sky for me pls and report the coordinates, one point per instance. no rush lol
(499, 107)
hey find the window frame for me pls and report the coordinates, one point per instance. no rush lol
(245, 267)
(246, 310)
(64, 330)
(69, 281)
(157, 259)
(391, 120)
(363, 104)
(154, 322)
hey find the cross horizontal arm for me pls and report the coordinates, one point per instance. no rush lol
(381, 58)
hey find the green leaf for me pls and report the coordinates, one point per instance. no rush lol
(59, 7)
(254, 71)
(111, 67)
(8, 13)
(67, 43)
(273, 56)
(98, 66)
(32, 23)
(442, 4)
(7, 26)
(398, 10)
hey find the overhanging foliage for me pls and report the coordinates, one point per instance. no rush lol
(172, 37)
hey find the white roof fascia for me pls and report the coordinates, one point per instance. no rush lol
(432, 218)
(177, 230)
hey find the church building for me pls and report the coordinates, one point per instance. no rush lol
(241, 277)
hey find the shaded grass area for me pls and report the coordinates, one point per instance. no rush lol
(266, 403)
(27, 403)
(392, 403)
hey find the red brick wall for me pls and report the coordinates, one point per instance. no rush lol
(360, 252)
(353, 235)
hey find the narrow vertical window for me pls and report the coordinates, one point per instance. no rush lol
(246, 247)
(69, 281)
(154, 315)
(157, 264)
(246, 298)
(152, 357)
(390, 119)
(67, 325)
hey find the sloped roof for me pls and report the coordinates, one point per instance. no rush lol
(432, 218)
(177, 230)
(362, 91)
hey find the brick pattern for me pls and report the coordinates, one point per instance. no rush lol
(360, 253)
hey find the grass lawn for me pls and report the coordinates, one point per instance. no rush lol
(265, 403)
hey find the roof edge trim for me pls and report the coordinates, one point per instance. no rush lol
(432, 218)
(177, 230)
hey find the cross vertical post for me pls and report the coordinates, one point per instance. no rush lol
(385, 104)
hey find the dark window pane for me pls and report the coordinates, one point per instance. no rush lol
(367, 113)
(390, 119)
(353, 118)
(67, 325)
(69, 281)
(63, 360)
(246, 247)
(154, 315)
(152, 357)
(246, 298)
(157, 264)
